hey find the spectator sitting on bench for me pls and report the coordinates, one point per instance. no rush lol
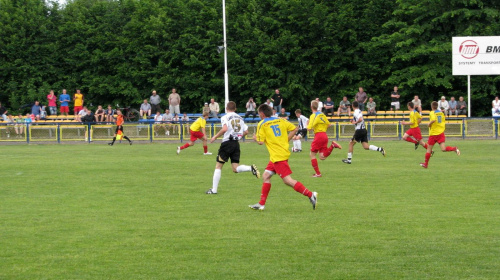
(158, 121)
(99, 114)
(36, 110)
(453, 107)
(370, 107)
(283, 114)
(443, 105)
(344, 107)
(462, 106)
(185, 118)
(495, 107)
(169, 118)
(251, 108)
(145, 110)
(329, 107)
(110, 113)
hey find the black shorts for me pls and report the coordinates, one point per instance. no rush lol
(301, 132)
(360, 136)
(229, 150)
(118, 127)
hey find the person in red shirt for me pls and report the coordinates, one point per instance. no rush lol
(119, 129)
(52, 99)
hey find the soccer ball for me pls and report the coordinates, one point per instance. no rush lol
(293, 150)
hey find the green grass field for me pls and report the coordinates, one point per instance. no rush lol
(140, 212)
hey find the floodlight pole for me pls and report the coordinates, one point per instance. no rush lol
(226, 77)
(468, 95)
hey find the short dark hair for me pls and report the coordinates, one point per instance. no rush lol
(298, 111)
(355, 104)
(411, 105)
(231, 106)
(266, 110)
(434, 105)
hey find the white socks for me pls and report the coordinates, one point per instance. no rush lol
(216, 179)
(373, 148)
(349, 156)
(243, 168)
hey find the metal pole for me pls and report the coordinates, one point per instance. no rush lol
(468, 95)
(226, 78)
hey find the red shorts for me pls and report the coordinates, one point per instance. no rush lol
(64, 109)
(77, 109)
(196, 135)
(280, 167)
(436, 139)
(320, 142)
(415, 132)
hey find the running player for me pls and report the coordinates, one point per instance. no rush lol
(302, 132)
(276, 133)
(319, 124)
(197, 131)
(360, 134)
(119, 128)
(436, 134)
(233, 128)
(414, 131)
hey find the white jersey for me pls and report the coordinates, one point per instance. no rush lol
(303, 121)
(235, 126)
(358, 115)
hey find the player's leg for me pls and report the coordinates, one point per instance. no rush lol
(299, 143)
(373, 148)
(351, 149)
(300, 188)
(407, 138)
(428, 154)
(216, 178)
(266, 187)
(329, 150)
(445, 148)
(314, 162)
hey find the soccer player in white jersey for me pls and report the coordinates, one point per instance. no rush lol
(302, 132)
(233, 128)
(360, 135)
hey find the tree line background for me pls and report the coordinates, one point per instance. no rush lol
(119, 51)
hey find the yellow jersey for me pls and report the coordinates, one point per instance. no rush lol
(274, 133)
(198, 124)
(318, 122)
(78, 99)
(414, 118)
(438, 126)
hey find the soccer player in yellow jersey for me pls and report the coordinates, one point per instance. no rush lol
(276, 133)
(414, 131)
(319, 124)
(436, 134)
(197, 131)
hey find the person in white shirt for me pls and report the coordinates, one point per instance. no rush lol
(168, 118)
(360, 134)
(214, 109)
(443, 105)
(251, 106)
(233, 128)
(495, 104)
(158, 122)
(302, 132)
(320, 105)
(269, 103)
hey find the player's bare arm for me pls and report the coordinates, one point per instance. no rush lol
(222, 131)
(431, 122)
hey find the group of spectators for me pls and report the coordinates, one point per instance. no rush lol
(367, 104)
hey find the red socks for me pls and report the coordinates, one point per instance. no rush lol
(205, 149)
(314, 163)
(451, 149)
(301, 189)
(185, 146)
(427, 157)
(266, 187)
